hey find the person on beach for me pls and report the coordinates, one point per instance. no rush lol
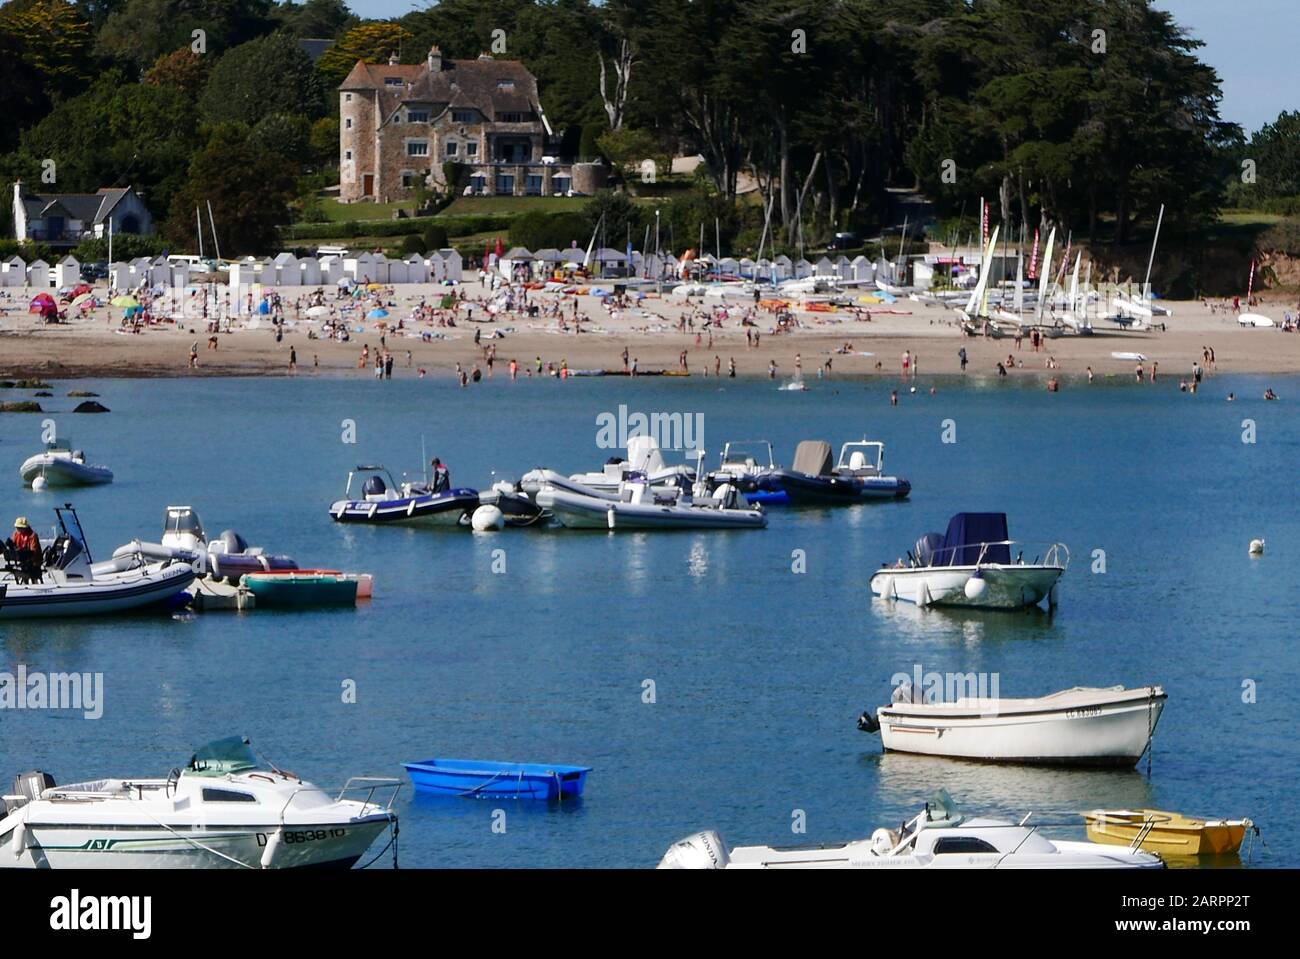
(1090, 374)
(293, 360)
(893, 397)
(731, 367)
(771, 369)
(907, 363)
(194, 355)
(1002, 370)
(1140, 376)
(961, 358)
(514, 369)
(633, 369)
(1269, 394)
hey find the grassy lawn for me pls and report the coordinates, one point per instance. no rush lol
(337, 212)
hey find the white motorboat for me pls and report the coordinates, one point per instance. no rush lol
(643, 457)
(642, 506)
(227, 557)
(69, 583)
(1080, 726)
(938, 838)
(61, 465)
(227, 809)
(971, 566)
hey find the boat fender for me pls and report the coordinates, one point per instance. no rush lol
(272, 847)
(923, 595)
(39, 483)
(19, 841)
(887, 588)
(609, 517)
(487, 519)
(704, 850)
(867, 722)
(976, 586)
(1256, 545)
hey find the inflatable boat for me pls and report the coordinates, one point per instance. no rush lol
(60, 465)
(812, 481)
(68, 583)
(384, 501)
(227, 557)
(641, 506)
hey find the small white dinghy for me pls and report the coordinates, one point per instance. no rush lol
(1080, 726)
(938, 838)
(641, 506)
(60, 465)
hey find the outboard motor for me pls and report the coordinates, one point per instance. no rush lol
(28, 787)
(704, 850)
(374, 487)
(232, 542)
(867, 722)
(928, 549)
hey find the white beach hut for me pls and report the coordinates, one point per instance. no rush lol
(747, 267)
(861, 269)
(843, 268)
(451, 265)
(38, 275)
(119, 276)
(729, 266)
(180, 275)
(417, 269)
(287, 272)
(513, 258)
(309, 271)
(802, 268)
(331, 270)
(824, 267)
(13, 272)
(784, 267)
(67, 272)
(397, 272)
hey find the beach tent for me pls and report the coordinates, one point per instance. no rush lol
(38, 274)
(309, 271)
(417, 269)
(67, 272)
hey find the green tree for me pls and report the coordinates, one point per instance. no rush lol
(315, 19)
(55, 40)
(181, 69)
(140, 31)
(269, 75)
(371, 42)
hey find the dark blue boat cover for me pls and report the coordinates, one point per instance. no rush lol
(966, 531)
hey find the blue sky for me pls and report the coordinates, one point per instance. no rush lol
(1250, 42)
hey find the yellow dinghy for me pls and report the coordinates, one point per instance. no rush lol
(1170, 833)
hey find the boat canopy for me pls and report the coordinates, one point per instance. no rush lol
(812, 457)
(967, 535)
(221, 756)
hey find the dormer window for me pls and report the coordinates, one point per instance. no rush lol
(462, 116)
(417, 116)
(392, 81)
(505, 85)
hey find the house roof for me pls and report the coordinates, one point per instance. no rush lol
(86, 207)
(492, 87)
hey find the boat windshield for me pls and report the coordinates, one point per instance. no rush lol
(184, 521)
(230, 755)
(943, 810)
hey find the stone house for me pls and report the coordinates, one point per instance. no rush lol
(400, 123)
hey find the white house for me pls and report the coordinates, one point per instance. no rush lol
(65, 219)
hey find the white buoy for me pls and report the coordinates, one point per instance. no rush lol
(976, 586)
(1256, 547)
(39, 483)
(487, 518)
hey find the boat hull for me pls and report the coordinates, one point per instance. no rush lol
(433, 509)
(289, 590)
(576, 511)
(803, 489)
(1171, 835)
(497, 780)
(1099, 735)
(1008, 587)
(90, 846)
(116, 594)
(60, 471)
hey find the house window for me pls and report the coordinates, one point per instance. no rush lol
(462, 116)
(408, 178)
(417, 148)
(347, 154)
(512, 118)
(471, 149)
(417, 116)
(451, 148)
(392, 81)
(347, 123)
(505, 184)
(533, 186)
(347, 98)
(560, 184)
(505, 84)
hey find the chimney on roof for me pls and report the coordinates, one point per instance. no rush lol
(485, 55)
(393, 60)
(435, 59)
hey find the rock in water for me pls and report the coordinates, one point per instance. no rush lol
(90, 406)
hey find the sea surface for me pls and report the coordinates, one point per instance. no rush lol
(709, 683)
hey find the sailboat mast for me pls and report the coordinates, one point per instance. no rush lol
(198, 219)
(1146, 284)
(213, 223)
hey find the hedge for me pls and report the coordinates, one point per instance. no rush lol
(454, 225)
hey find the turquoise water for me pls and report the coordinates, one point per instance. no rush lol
(758, 672)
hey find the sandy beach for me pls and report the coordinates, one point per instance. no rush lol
(92, 345)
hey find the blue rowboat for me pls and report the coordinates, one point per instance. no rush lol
(488, 779)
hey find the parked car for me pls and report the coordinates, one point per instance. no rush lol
(90, 272)
(844, 241)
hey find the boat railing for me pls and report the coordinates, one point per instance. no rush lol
(1043, 553)
(370, 785)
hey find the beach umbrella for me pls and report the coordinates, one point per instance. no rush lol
(126, 301)
(82, 298)
(40, 302)
(377, 314)
(318, 311)
(500, 249)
